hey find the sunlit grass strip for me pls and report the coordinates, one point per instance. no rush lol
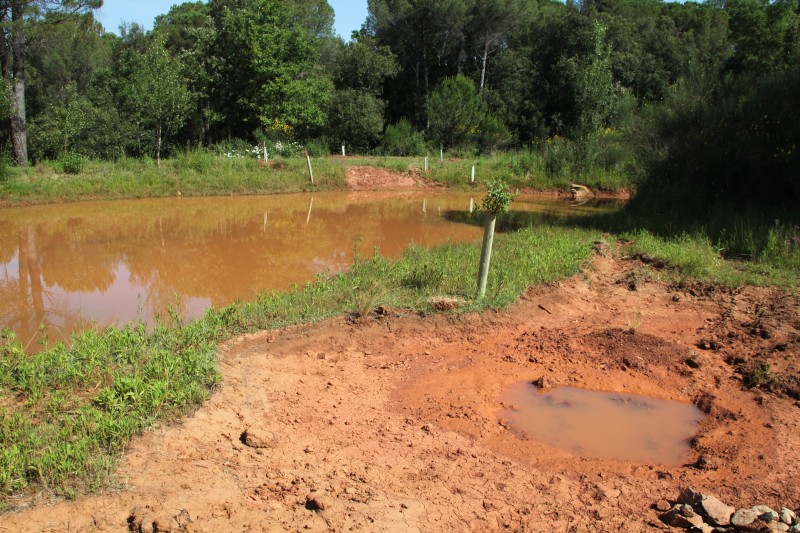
(199, 172)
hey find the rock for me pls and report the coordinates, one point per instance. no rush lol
(744, 517)
(707, 505)
(795, 528)
(317, 502)
(255, 439)
(777, 527)
(787, 516)
(717, 512)
(765, 513)
(663, 506)
(689, 496)
(682, 516)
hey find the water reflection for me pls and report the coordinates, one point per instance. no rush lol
(74, 265)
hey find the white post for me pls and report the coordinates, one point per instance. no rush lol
(310, 171)
(343, 152)
(441, 154)
(472, 175)
(425, 206)
(266, 221)
(471, 205)
(426, 164)
(266, 155)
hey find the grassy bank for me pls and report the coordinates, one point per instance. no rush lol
(202, 173)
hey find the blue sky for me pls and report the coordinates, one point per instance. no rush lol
(350, 14)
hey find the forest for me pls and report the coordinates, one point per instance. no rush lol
(688, 103)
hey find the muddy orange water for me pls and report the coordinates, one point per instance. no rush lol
(606, 425)
(72, 266)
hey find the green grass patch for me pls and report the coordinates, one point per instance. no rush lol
(202, 172)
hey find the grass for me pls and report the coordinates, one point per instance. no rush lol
(199, 172)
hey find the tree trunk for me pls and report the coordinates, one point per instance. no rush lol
(158, 146)
(19, 128)
(485, 61)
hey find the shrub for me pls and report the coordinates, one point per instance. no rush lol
(72, 163)
(402, 140)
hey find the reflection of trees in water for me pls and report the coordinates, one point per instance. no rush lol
(208, 249)
(27, 303)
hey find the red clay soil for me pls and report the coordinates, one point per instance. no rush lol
(390, 423)
(372, 178)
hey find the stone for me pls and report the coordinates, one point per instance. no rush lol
(744, 517)
(777, 527)
(663, 506)
(707, 505)
(258, 439)
(787, 516)
(689, 496)
(682, 516)
(702, 528)
(765, 513)
(717, 512)
(317, 502)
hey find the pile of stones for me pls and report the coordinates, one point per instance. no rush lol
(704, 513)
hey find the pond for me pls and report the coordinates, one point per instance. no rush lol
(72, 266)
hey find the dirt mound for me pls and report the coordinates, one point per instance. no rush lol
(372, 178)
(392, 423)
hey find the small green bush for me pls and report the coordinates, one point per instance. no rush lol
(402, 140)
(72, 163)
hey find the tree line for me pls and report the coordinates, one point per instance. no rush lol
(687, 95)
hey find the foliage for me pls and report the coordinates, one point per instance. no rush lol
(72, 163)
(158, 94)
(356, 119)
(498, 198)
(401, 139)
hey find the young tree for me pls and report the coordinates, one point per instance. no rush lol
(158, 93)
(16, 20)
(498, 199)
(264, 66)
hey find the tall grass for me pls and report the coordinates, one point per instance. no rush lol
(205, 172)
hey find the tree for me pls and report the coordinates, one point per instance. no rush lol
(498, 199)
(16, 18)
(456, 111)
(264, 67)
(490, 23)
(158, 93)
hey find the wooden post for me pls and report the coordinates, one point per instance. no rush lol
(471, 205)
(425, 206)
(266, 155)
(486, 253)
(472, 175)
(310, 170)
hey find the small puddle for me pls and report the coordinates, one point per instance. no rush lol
(601, 424)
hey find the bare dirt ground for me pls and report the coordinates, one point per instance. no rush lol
(390, 423)
(373, 178)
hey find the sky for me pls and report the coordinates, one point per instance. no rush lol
(350, 14)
